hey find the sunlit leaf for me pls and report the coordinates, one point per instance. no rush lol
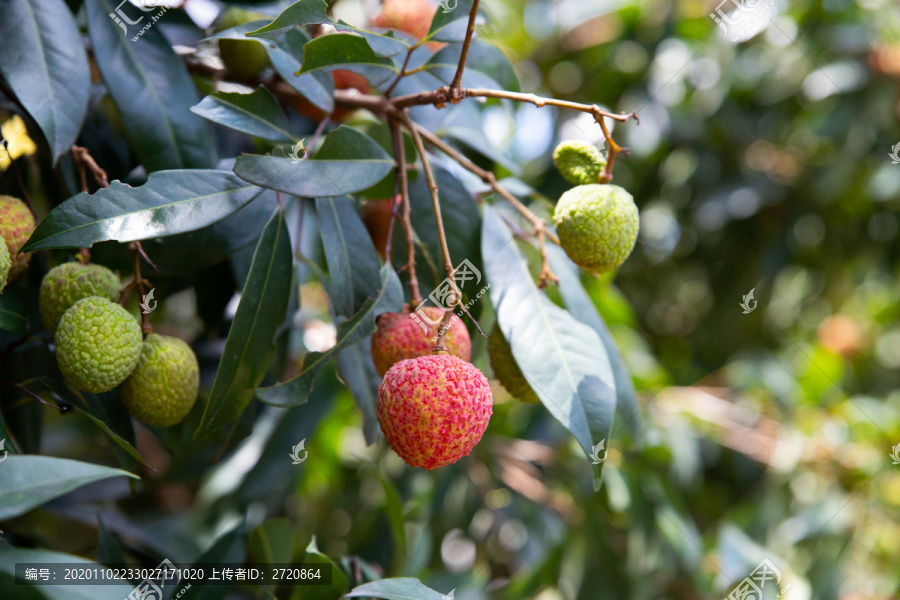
(256, 114)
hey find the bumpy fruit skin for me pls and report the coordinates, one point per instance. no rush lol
(507, 370)
(433, 409)
(97, 344)
(597, 225)
(66, 284)
(5, 264)
(412, 16)
(16, 226)
(400, 337)
(163, 387)
(580, 163)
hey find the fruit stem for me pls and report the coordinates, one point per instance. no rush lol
(403, 183)
(439, 347)
(84, 159)
(455, 95)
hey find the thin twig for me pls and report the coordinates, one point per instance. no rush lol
(138, 281)
(316, 135)
(470, 31)
(63, 407)
(400, 154)
(401, 74)
(84, 159)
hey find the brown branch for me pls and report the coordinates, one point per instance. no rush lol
(84, 160)
(137, 252)
(439, 347)
(470, 31)
(402, 73)
(403, 180)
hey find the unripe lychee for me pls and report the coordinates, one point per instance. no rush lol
(244, 59)
(163, 387)
(97, 344)
(580, 163)
(66, 284)
(16, 226)
(597, 225)
(433, 409)
(5, 263)
(400, 336)
(506, 369)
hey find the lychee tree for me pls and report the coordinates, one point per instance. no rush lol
(328, 118)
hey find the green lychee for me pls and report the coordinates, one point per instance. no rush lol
(97, 344)
(506, 369)
(401, 335)
(246, 58)
(580, 163)
(433, 409)
(65, 284)
(163, 387)
(597, 225)
(5, 264)
(16, 226)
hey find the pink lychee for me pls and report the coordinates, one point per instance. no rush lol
(400, 336)
(434, 409)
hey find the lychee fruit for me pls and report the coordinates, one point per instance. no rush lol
(376, 216)
(507, 370)
(597, 225)
(433, 409)
(244, 59)
(163, 387)
(5, 264)
(580, 163)
(97, 344)
(400, 336)
(412, 16)
(16, 226)
(65, 284)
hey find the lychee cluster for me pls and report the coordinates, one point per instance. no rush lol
(597, 223)
(99, 346)
(16, 226)
(433, 405)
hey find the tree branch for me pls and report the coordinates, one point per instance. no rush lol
(470, 31)
(400, 154)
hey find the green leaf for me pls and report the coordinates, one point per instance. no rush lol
(348, 162)
(228, 548)
(108, 550)
(152, 90)
(43, 60)
(580, 306)
(12, 314)
(381, 45)
(250, 342)
(393, 505)
(486, 66)
(339, 582)
(9, 556)
(346, 51)
(361, 326)
(451, 25)
(170, 202)
(357, 371)
(286, 56)
(28, 481)
(352, 260)
(273, 541)
(239, 32)
(8, 445)
(111, 418)
(564, 361)
(303, 12)
(256, 114)
(398, 588)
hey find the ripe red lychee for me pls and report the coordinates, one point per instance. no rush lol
(16, 226)
(376, 216)
(400, 336)
(433, 409)
(412, 16)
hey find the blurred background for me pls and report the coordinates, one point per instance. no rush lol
(762, 162)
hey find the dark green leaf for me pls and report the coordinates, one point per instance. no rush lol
(151, 88)
(170, 202)
(398, 588)
(339, 583)
(250, 342)
(580, 306)
(486, 67)
(9, 556)
(238, 32)
(352, 260)
(108, 550)
(272, 541)
(361, 326)
(451, 25)
(229, 548)
(28, 481)
(357, 370)
(256, 114)
(382, 45)
(287, 58)
(12, 314)
(347, 51)
(43, 60)
(564, 361)
(303, 12)
(348, 161)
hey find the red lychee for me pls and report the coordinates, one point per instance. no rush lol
(434, 409)
(412, 16)
(400, 336)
